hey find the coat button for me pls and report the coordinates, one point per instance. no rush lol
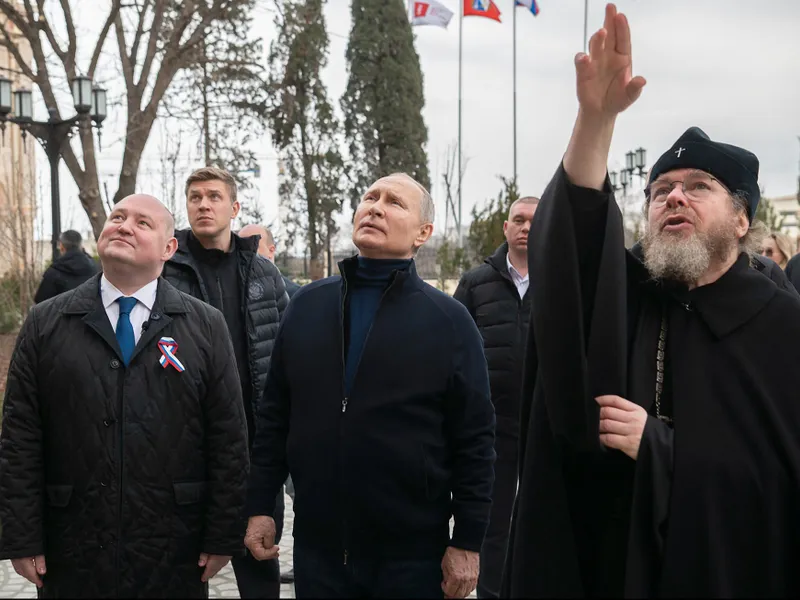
(114, 363)
(102, 484)
(106, 422)
(155, 316)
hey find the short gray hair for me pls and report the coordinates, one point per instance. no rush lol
(524, 200)
(427, 208)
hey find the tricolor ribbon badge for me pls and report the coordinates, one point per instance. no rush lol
(169, 347)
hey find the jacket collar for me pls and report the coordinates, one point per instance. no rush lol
(728, 303)
(400, 279)
(498, 260)
(184, 256)
(86, 301)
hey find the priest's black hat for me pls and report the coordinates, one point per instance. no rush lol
(735, 167)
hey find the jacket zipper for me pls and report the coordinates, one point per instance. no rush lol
(345, 398)
(341, 421)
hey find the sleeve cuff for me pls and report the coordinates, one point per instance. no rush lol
(586, 199)
(468, 535)
(260, 504)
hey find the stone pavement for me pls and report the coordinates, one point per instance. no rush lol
(221, 586)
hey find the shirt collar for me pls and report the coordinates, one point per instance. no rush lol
(146, 294)
(513, 270)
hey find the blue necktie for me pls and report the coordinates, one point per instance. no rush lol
(125, 337)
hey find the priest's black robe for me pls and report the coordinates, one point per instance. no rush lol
(711, 507)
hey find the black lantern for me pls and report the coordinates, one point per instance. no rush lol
(5, 96)
(98, 113)
(82, 94)
(629, 158)
(23, 105)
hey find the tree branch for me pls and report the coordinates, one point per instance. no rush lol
(14, 50)
(152, 46)
(115, 8)
(72, 42)
(13, 15)
(127, 67)
(137, 38)
(43, 25)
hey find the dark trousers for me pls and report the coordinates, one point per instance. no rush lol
(495, 544)
(257, 579)
(319, 574)
(261, 579)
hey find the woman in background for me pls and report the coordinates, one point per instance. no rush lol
(778, 247)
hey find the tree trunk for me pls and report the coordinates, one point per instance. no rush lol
(138, 130)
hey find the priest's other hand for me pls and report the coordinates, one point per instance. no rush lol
(621, 424)
(460, 570)
(260, 538)
(605, 83)
(212, 563)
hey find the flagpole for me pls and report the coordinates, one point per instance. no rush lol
(585, 24)
(514, 43)
(460, 37)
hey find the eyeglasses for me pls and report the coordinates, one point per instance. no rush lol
(696, 187)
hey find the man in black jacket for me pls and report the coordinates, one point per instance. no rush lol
(225, 270)
(496, 296)
(378, 403)
(69, 270)
(123, 461)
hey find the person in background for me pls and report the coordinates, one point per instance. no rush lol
(378, 400)
(224, 270)
(496, 296)
(123, 454)
(266, 248)
(69, 270)
(778, 246)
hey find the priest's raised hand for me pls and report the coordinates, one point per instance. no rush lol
(605, 81)
(621, 424)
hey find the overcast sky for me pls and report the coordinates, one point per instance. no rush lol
(727, 66)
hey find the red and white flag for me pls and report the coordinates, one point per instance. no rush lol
(429, 12)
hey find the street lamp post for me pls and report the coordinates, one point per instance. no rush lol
(53, 134)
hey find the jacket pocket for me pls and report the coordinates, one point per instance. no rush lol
(189, 492)
(59, 495)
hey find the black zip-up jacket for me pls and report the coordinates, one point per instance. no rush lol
(502, 317)
(374, 472)
(263, 294)
(66, 273)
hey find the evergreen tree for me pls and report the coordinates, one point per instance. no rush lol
(304, 129)
(486, 229)
(383, 101)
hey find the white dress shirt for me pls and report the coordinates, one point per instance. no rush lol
(519, 281)
(146, 297)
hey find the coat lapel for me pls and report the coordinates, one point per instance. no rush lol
(86, 301)
(168, 302)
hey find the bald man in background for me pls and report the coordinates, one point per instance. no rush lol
(123, 454)
(266, 248)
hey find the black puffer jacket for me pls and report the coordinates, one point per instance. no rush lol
(502, 318)
(122, 476)
(263, 288)
(66, 273)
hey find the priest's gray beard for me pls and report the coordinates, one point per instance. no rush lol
(673, 257)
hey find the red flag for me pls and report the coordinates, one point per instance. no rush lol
(481, 8)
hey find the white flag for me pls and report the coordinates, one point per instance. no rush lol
(429, 12)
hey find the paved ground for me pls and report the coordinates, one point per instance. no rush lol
(222, 586)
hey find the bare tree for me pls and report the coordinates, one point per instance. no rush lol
(18, 228)
(156, 39)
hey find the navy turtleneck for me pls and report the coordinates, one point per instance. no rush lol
(364, 291)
